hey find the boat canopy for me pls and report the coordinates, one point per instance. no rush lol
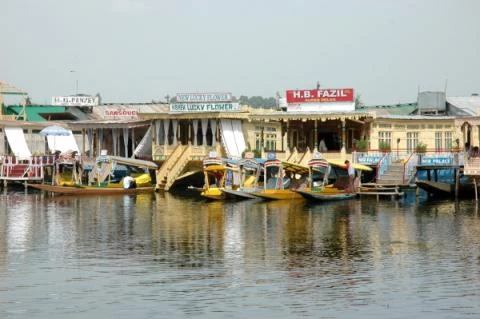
(127, 161)
(295, 168)
(339, 163)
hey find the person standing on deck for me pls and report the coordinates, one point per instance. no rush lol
(351, 176)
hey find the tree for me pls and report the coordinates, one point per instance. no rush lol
(358, 101)
(257, 101)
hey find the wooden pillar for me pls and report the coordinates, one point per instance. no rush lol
(133, 140)
(344, 149)
(83, 141)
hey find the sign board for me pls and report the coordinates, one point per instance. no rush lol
(204, 97)
(436, 160)
(249, 155)
(320, 96)
(321, 100)
(204, 107)
(368, 159)
(271, 156)
(472, 167)
(120, 113)
(212, 154)
(75, 101)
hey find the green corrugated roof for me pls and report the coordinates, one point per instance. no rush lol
(33, 112)
(392, 109)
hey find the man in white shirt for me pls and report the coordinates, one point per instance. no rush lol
(351, 176)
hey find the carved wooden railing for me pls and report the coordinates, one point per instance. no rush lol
(383, 164)
(293, 156)
(409, 167)
(305, 157)
(14, 168)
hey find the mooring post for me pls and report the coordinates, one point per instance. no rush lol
(475, 184)
(457, 181)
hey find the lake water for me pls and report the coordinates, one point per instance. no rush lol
(171, 256)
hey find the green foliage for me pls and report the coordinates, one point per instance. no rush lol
(421, 147)
(384, 147)
(361, 145)
(258, 101)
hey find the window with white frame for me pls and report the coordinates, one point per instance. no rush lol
(448, 140)
(438, 141)
(412, 141)
(269, 139)
(384, 138)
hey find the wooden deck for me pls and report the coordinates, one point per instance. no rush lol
(381, 190)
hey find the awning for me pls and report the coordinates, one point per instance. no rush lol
(144, 148)
(17, 142)
(62, 143)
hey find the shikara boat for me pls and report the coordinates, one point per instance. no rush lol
(110, 171)
(90, 190)
(443, 189)
(248, 170)
(328, 180)
(214, 170)
(107, 176)
(280, 178)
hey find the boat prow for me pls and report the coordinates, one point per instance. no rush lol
(277, 194)
(325, 196)
(239, 194)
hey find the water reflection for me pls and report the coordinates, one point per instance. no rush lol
(188, 257)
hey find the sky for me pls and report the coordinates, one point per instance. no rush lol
(144, 50)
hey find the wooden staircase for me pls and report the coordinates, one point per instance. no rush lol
(393, 175)
(173, 167)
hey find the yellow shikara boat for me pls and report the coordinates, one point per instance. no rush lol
(214, 171)
(280, 178)
(321, 172)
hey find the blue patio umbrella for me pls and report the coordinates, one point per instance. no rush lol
(54, 130)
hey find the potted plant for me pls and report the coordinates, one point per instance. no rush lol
(385, 147)
(361, 145)
(421, 148)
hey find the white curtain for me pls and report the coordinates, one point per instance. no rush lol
(63, 144)
(166, 125)
(115, 141)
(159, 131)
(17, 142)
(204, 131)
(175, 125)
(100, 140)
(125, 140)
(195, 129)
(90, 142)
(144, 148)
(213, 125)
